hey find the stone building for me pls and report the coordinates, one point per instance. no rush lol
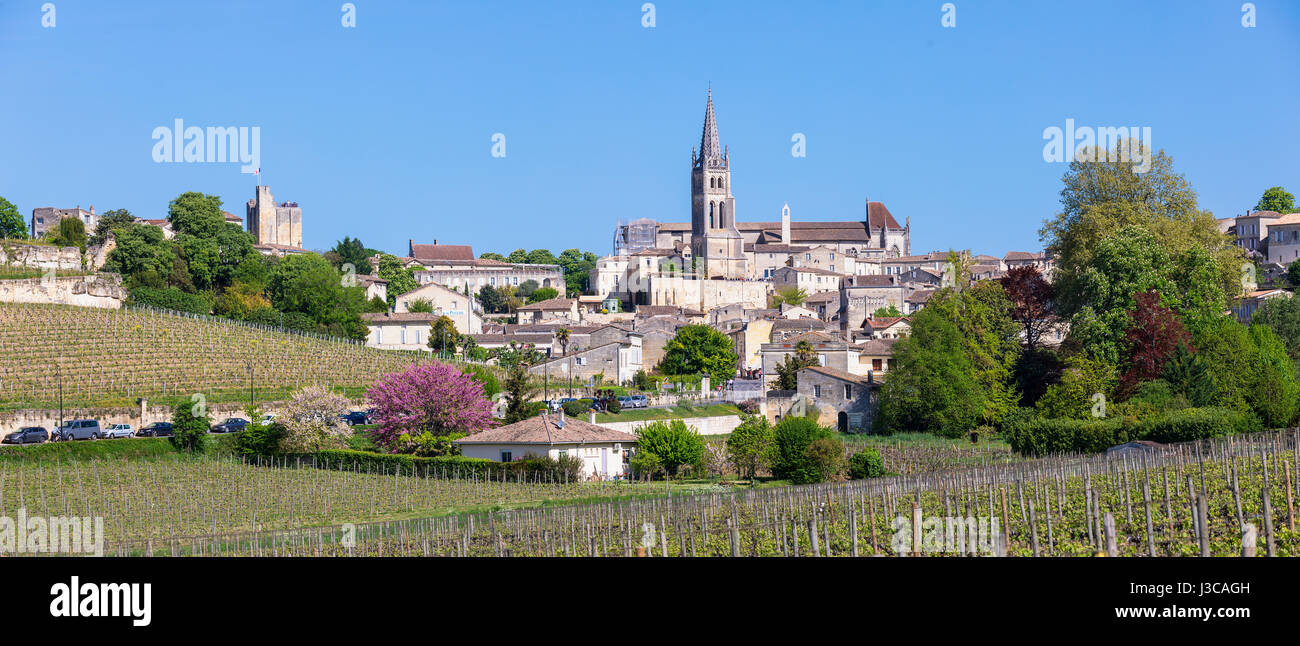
(843, 400)
(271, 223)
(615, 361)
(719, 239)
(46, 218)
(455, 266)
(464, 311)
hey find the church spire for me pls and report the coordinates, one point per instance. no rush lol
(710, 150)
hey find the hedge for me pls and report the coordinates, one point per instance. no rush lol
(171, 299)
(1041, 436)
(456, 466)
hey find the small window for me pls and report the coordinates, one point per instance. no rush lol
(817, 391)
(564, 454)
(506, 456)
(848, 391)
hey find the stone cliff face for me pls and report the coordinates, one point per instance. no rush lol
(101, 290)
(40, 256)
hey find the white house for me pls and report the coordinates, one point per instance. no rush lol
(604, 452)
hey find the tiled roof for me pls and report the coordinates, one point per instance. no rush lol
(870, 280)
(837, 374)
(877, 347)
(441, 252)
(885, 322)
(920, 296)
(548, 429)
(1020, 255)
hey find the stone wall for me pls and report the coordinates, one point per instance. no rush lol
(17, 254)
(101, 290)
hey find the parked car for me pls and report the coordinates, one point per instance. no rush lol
(626, 402)
(267, 420)
(355, 417)
(157, 429)
(641, 401)
(119, 430)
(231, 425)
(27, 435)
(79, 429)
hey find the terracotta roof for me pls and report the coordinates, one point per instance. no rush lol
(1020, 255)
(547, 430)
(442, 252)
(231, 217)
(367, 279)
(877, 347)
(885, 321)
(553, 304)
(826, 296)
(920, 296)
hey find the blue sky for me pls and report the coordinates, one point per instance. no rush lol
(384, 131)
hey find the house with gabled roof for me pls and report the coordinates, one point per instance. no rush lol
(604, 452)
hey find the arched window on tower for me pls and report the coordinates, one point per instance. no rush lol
(713, 182)
(722, 214)
(711, 226)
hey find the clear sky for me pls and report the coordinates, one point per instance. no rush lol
(384, 131)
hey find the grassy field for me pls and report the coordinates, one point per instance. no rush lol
(675, 412)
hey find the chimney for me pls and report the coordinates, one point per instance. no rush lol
(435, 241)
(785, 224)
(92, 209)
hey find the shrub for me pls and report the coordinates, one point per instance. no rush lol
(428, 445)
(788, 455)
(749, 444)
(257, 439)
(826, 454)
(613, 406)
(311, 421)
(674, 443)
(1040, 436)
(577, 407)
(170, 298)
(750, 406)
(189, 426)
(866, 463)
(645, 465)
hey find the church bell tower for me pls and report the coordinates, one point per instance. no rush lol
(718, 246)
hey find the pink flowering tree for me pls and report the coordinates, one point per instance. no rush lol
(420, 409)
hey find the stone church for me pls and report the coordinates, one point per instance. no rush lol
(725, 247)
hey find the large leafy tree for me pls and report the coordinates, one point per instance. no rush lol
(674, 443)
(931, 385)
(1031, 302)
(436, 399)
(12, 224)
(491, 299)
(1276, 199)
(1100, 198)
(308, 284)
(311, 421)
(519, 387)
(113, 220)
(351, 251)
(577, 269)
(989, 339)
(400, 279)
(749, 444)
(443, 335)
(196, 214)
(1282, 315)
(1153, 335)
(143, 254)
(700, 349)
(789, 455)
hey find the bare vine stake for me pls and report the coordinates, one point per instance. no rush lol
(1270, 548)
(1248, 539)
(1033, 528)
(1111, 548)
(1203, 525)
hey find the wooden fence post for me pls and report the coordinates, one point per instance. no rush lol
(1248, 538)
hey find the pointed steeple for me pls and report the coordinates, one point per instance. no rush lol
(710, 149)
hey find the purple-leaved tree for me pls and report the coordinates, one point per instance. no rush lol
(437, 399)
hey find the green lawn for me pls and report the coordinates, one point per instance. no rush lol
(675, 412)
(143, 448)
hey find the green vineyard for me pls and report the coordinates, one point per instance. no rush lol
(102, 358)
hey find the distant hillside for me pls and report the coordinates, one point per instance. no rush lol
(109, 358)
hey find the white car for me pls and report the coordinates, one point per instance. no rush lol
(119, 430)
(266, 420)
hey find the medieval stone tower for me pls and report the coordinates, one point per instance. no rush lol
(718, 246)
(271, 223)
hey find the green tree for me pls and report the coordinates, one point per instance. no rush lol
(1282, 315)
(190, 425)
(491, 300)
(1187, 375)
(142, 254)
(1276, 199)
(990, 339)
(69, 232)
(196, 214)
(1074, 397)
(1293, 273)
(789, 457)
(866, 463)
(562, 336)
(748, 445)
(541, 257)
(826, 455)
(400, 279)
(931, 385)
(12, 224)
(420, 306)
(492, 256)
(674, 443)
(700, 349)
(308, 284)
(886, 312)
(787, 372)
(1101, 198)
(519, 387)
(518, 256)
(351, 251)
(112, 220)
(527, 287)
(543, 294)
(789, 296)
(443, 335)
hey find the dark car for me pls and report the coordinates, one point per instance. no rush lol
(27, 435)
(157, 429)
(231, 425)
(356, 417)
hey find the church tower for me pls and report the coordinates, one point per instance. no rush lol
(718, 246)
